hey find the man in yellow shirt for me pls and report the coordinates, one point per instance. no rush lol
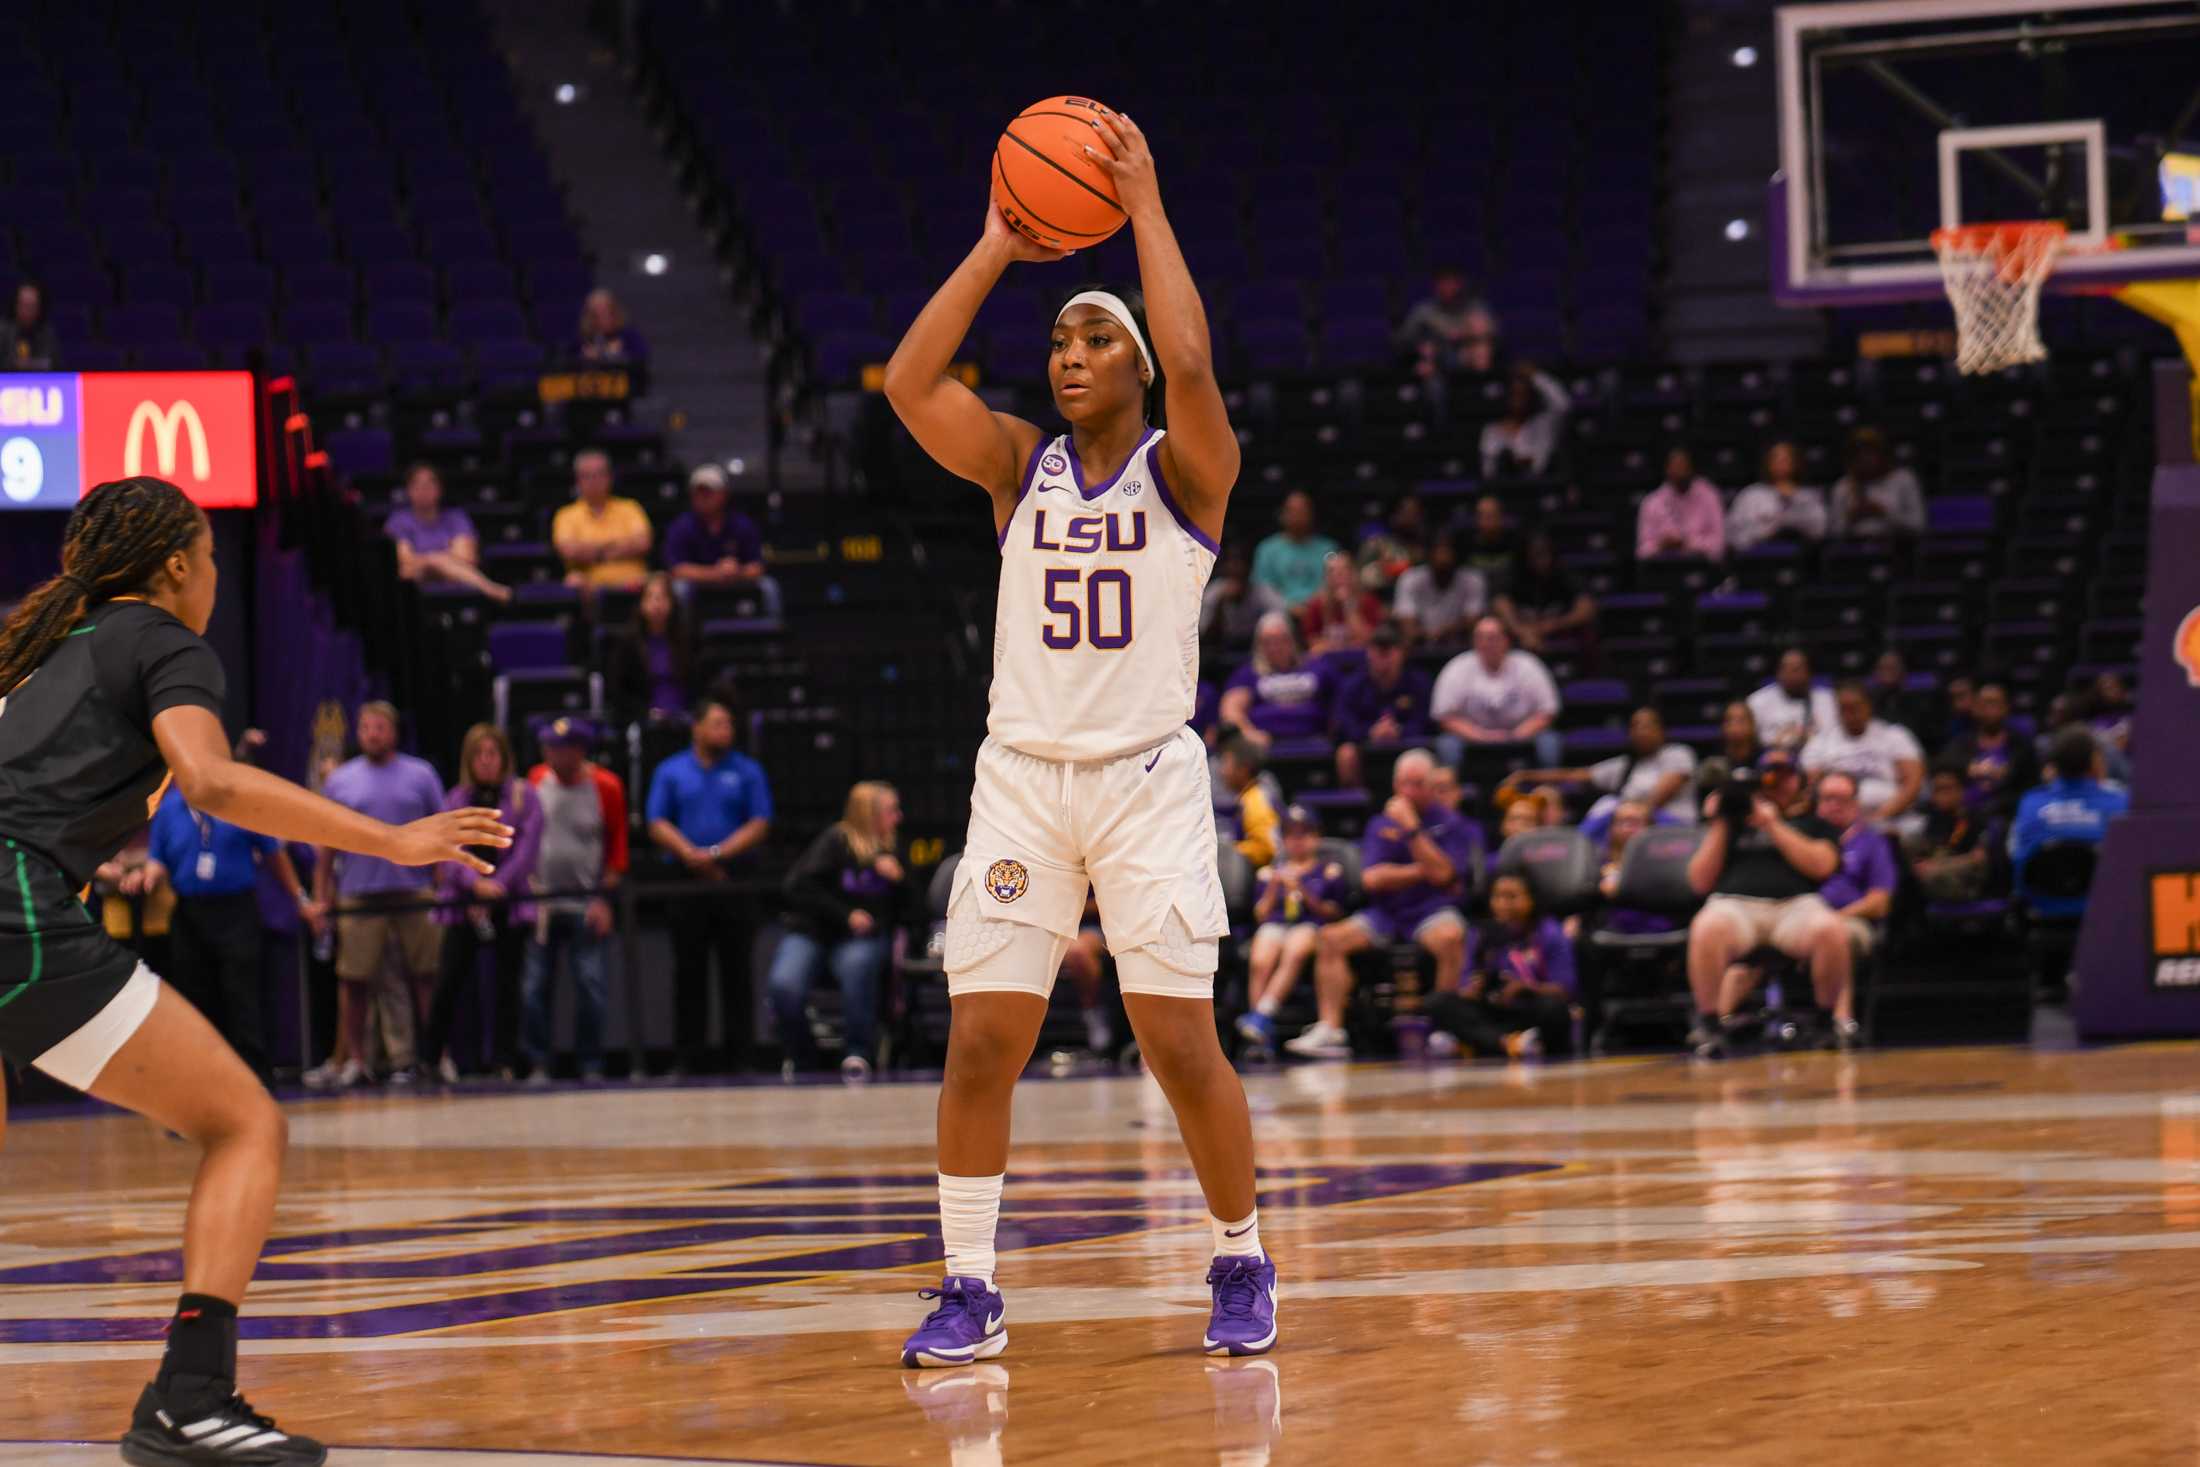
(602, 538)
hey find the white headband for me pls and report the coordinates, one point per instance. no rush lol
(1114, 306)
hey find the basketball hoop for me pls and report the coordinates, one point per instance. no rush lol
(1994, 273)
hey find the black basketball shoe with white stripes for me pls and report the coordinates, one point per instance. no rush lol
(215, 1426)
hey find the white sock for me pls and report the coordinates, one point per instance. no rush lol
(1240, 1239)
(970, 1207)
(1267, 1008)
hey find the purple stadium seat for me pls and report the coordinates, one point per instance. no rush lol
(1594, 702)
(170, 356)
(361, 450)
(487, 321)
(317, 321)
(389, 321)
(428, 369)
(1271, 346)
(527, 646)
(138, 325)
(841, 354)
(230, 327)
(344, 367)
(1355, 342)
(508, 368)
(391, 281)
(1960, 515)
(480, 280)
(158, 285)
(239, 282)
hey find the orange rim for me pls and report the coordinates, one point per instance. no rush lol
(2008, 237)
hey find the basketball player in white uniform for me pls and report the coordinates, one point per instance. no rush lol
(1089, 773)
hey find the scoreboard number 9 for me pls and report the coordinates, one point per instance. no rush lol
(22, 469)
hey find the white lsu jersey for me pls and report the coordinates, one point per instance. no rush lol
(1096, 639)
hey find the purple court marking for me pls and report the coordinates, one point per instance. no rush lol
(751, 1212)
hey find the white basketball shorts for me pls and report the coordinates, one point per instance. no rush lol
(1140, 830)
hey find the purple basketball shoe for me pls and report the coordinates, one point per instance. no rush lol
(970, 1324)
(1244, 1321)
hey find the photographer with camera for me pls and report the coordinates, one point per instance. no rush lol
(1761, 870)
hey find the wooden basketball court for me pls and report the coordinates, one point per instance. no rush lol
(1967, 1255)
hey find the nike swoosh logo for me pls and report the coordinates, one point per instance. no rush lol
(1156, 759)
(994, 1323)
(1241, 1232)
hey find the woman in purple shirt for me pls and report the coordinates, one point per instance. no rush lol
(1519, 990)
(489, 779)
(434, 543)
(650, 669)
(1279, 694)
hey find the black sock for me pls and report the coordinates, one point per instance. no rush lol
(202, 1342)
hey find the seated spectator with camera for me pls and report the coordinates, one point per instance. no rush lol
(1762, 872)
(1385, 702)
(1410, 860)
(1517, 996)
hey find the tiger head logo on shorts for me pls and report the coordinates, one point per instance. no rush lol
(1007, 880)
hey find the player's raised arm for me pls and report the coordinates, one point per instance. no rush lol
(197, 750)
(1201, 451)
(954, 425)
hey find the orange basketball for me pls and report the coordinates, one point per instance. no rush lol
(1044, 183)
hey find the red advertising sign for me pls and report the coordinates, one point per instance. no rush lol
(193, 429)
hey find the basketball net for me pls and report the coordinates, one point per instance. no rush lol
(1994, 273)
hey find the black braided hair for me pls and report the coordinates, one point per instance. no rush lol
(118, 537)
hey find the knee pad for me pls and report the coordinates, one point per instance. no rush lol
(1174, 965)
(986, 954)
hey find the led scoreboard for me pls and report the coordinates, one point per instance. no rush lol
(63, 432)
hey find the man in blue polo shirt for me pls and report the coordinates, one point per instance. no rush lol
(2074, 806)
(214, 935)
(709, 809)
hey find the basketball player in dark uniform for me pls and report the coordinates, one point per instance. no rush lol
(106, 692)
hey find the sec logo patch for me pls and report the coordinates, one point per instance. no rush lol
(1007, 880)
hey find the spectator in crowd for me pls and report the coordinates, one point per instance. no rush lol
(1738, 744)
(2110, 712)
(1343, 614)
(1777, 507)
(1655, 771)
(488, 779)
(844, 898)
(1542, 605)
(1083, 964)
(1234, 602)
(1519, 444)
(1494, 694)
(1493, 545)
(1384, 703)
(434, 543)
(1861, 889)
(1397, 546)
(1438, 601)
(1916, 710)
(379, 906)
(1948, 853)
(1253, 802)
(1683, 515)
(709, 809)
(712, 544)
(1785, 783)
(1959, 692)
(1462, 835)
(1277, 694)
(1449, 330)
(1525, 810)
(1999, 765)
(2073, 807)
(27, 341)
(1884, 757)
(1876, 498)
(1762, 875)
(214, 930)
(1790, 712)
(1517, 996)
(2068, 710)
(1408, 878)
(1290, 561)
(581, 860)
(650, 667)
(1629, 819)
(605, 334)
(602, 537)
(1298, 894)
